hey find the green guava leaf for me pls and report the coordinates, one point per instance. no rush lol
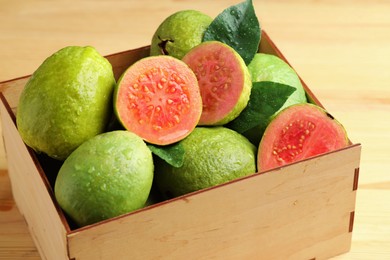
(266, 98)
(238, 27)
(173, 154)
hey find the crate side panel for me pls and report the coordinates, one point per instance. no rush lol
(31, 195)
(121, 61)
(11, 91)
(294, 208)
(267, 46)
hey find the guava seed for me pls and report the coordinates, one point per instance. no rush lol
(284, 151)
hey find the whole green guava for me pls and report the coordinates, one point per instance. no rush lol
(179, 33)
(213, 155)
(268, 67)
(108, 175)
(66, 101)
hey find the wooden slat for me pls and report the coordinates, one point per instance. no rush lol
(31, 194)
(122, 60)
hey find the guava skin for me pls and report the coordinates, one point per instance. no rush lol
(214, 155)
(108, 175)
(179, 33)
(66, 101)
(268, 67)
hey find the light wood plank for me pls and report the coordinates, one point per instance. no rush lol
(32, 196)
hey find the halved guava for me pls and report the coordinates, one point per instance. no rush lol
(224, 81)
(298, 132)
(158, 98)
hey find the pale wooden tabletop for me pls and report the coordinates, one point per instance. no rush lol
(341, 49)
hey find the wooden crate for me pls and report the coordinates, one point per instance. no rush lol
(301, 211)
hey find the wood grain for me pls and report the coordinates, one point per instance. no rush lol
(339, 48)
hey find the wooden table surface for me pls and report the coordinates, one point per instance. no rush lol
(341, 49)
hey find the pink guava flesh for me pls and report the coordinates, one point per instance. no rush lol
(298, 132)
(158, 98)
(221, 80)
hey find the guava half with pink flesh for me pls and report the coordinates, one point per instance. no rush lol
(224, 81)
(158, 99)
(298, 132)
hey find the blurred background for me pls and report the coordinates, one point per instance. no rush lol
(341, 49)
